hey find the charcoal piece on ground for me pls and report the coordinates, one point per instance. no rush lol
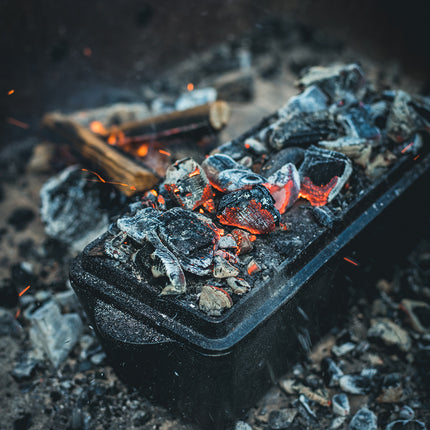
(364, 419)
(357, 149)
(407, 116)
(312, 99)
(389, 333)
(301, 129)
(292, 154)
(191, 237)
(355, 384)
(71, 208)
(187, 184)
(214, 301)
(358, 123)
(53, 333)
(252, 210)
(244, 240)
(20, 218)
(284, 186)
(339, 82)
(331, 372)
(323, 173)
(380, 164)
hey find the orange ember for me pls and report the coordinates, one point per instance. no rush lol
(142, 150)
(190, 87)
(350, 261)
(10, 92)
(17, 122)
(153, 192)
(282, 195)
(162, 151)
(24, 290)
(253, 268)
(195, 172)
(406, 148)
(207, 199)
(98, 128)
(18, 313)
(317, 195)
(160, 199)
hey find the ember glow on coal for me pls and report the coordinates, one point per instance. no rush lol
(200, 231)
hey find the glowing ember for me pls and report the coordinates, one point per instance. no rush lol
(142, 151)
(162, 151)
(24, 290)
(98, 128)
(195, 172)
(10, 92)
(161, 200)
(350, 261)
(153, 192)
(18, 313)
(17, 123)
(317, 195)
(190, 87)
(253, 268)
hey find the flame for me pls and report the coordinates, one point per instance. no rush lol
(162, 151)
(98, 128)
(17, 122)
(24, 290)
(190, 86)
(10, 92)
(317, 195)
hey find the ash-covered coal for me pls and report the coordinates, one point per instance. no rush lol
(210, 228)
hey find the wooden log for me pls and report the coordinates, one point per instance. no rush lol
(127, 175)
(214, 115)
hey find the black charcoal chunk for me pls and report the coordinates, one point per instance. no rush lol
(312, 99)
(217, 163)
(358, 123)
(293, 155)
(364, 419)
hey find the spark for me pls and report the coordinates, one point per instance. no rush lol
(190, 86)
(24, 290)
(100, 179)
(162, 151)
(10, 92)
(18, 313)
(406, 148)
(350, 261)
(416, 158)
(16, 122)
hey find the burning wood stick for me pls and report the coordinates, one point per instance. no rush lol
(213, 116)
(127, 175)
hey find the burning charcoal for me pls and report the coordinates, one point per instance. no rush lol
(406, 425)
(255, 146)
(187, 184)
(323, 173)
(340, 404)
(238, 285)
(237, 179)
(418, 314)
(355, 148)
(252, 210)
(253, 267)
(191, 237)
(223, 269)
(217, 163)
(301, 129)
(284, 186)
(390, 334)
(54, 333)
(227, 242)
(407, 116)
(293, 155)
(358, 123)
(379, 165)
(364, 419)
(244, 241)
(71, 208)
(214, 300)
(338, 82)
(312, 99)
